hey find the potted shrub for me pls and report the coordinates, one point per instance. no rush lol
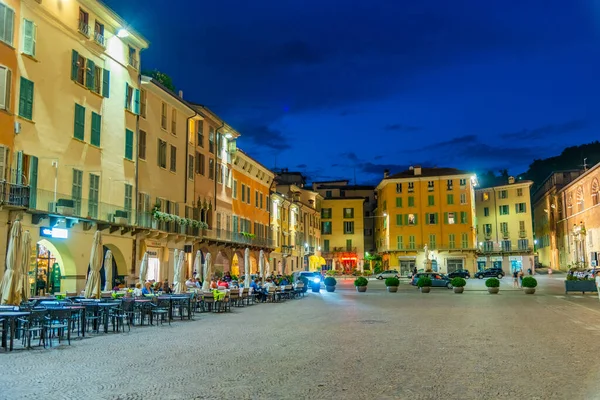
(458, 284)
(424, 283)
(493, 285)
(529, 283)
(361, 284)
(330, 283)
(392, 284)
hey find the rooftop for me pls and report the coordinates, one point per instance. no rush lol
(435, 171)
(347, 187)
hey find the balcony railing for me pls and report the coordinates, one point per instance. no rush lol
(99, 38)
(84, 27)
(134, 62)
(505, 235)
(14, 195)
(503, 248)
(522, 234)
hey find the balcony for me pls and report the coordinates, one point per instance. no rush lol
(134, 62)
(14, 195)
(523, 234)
(84, 27)
(487, 236)
(505, 235)
(99, 38)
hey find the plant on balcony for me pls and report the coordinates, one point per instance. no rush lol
(493, 285)
(330, 283)
(248, 235)
(529, 283)
(392, 284)
(361, 284)
(458, 284)
(185, 222)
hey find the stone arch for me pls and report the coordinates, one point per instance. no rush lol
(222, 261)
(118, 257)
(63, 256)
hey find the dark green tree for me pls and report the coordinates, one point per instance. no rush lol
(162, 78)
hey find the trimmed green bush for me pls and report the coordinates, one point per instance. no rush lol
(458, 282)
(393, 281)
(330, 281)
(529, 282)
(360, 281)
(424, 281)
(492, 282)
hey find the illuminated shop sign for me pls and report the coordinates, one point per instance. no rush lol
(55, 233)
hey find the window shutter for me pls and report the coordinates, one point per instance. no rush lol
(96, 129)
(4, 88)
(436, 218)
(19, 177)
(136, 101)
(426, 218)
(26, 99)
(128, 144)
(415, 219)
(126, 95)
(79, 126)
(33, 179)
(399, 219)
(446, 218)
(74, 66)
(28, 37)
(90, 74)
(405, 219)
(106, 83)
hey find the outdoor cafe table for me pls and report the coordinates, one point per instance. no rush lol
(173, 299)
(9, 318)
(105, 308)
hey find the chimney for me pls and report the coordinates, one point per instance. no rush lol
(181, 94)
(386, 173)
(417, 170)
(511, 180)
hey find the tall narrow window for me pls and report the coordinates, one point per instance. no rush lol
(190, 167)
(128, 200)
(129, 144)
(99, 33)
(5, 84)
(29, 37)
(84, 19)
(174, 121)
(142, 145)
(211, 140)
(96, 129)
(94, 195)
(26, 99)
(211, 168)
(162, 153)
(143, 102)
(163, 116)
(77, 190)
(79, 124)
(7, 24)
(173, 158)
(200, 133)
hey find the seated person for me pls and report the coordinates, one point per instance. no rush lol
(190, 283)
(283, 281)
(166, 288)
(227, 277)
(223, 283)
(213, 284)
(147, 289)
(137, 291)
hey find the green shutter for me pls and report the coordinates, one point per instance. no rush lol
(399, 202)
(128, 144)
(136, 101)
(26, 99)
(126, 93)
(33, 179)
(436, 218)
(399, 219)
(411, 201)
(79, 126)
(96, 129)
(446, 218)
(430, 200)
(426, 218)
(106, 83)
(74, 66)
(90, 75)
(19, 176)
(463, 217)
(415, 219)
(405, 219)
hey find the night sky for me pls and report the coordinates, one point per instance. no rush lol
(338, 88)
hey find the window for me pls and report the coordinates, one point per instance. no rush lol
(503, 209)
(211, 140)
(520, 208)
(7, 24)
(411, 201)
(190, 167)
(132, 57)
(128, 200)
(348, 244)
(96, 129)
(174, 121)
(488, 246)
(411, 187)
(400, 243)
(99, 33)
(430, 200)
(486, 211)
(504, 227)
(173, 165)
(399, 202)
(398, 188)
(163, 116)
(328, 194)
(449, 184)
(97, 81)
(132, 99)
(431, 219)
(199, 163)
(26, 99)
(261, 202)
(129, 144)
(450, 199)
(503, 194)
(432, 243)
(463, 198)
(522, 226)
(520, 192)
(523, 244)
(142, 145)
(84, 19)
(248, 194)
(506, 245)
(29, 37)
(5, 86)
(326, 213)
(256, 198)
(430, 185)
(411, 242)
(326, 227)
(243, 193)
(452, 241)
(463, 217)
(143, 103)
(348, 212)
(399, 219)
(487, 229)
(348, 227)
(220, 147)
(79, 125)
(77, 190)
(235, 189)
(464, 240)
(411, 219)
(200, 133)
(463, 182)
(326, 246)
(485, 196)
(105, 83)
(93, 195)
(450, 218)
(162, 153)
(211, 169)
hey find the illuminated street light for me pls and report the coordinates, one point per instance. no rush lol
(122, 33)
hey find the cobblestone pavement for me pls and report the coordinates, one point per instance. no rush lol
(342, 345)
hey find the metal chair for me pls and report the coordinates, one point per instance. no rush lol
(58, 321)
(160, 310)
(31, 326)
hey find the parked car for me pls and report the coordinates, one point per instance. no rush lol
(437, 279)
(390, 273)
(311, 276)
(461, 273)
(490, 272)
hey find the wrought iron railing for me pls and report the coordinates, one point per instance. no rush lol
(84, 27)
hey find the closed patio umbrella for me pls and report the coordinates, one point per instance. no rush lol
(8, 290)
(198, 266)
(179, 277)
(248, 277)
(261, 264)
(144, 269)
(207, 272)
(267, 269)
(24, 281)
(108, 270)
(92, 287)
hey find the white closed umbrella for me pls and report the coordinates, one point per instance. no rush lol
(92, 286)
(179, 277)
(144, 269)
(333, 265)
(247, 268)
(8, 290)
(207, 272)
(108, 270)
(24, 281)
(267, 269)
(198, 265)
(261, 264)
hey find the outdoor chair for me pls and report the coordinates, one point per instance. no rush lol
(183, 306)
(289, 292)
(119, 317)
(271, 294)
(92, 316)
(32, 326)
(160, 310)
(235, 298)
(208, 301)
(58, 321)
(299, 290)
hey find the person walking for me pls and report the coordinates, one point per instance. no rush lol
(515, 279)
(521, 278)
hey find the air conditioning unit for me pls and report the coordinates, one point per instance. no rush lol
(63, 207)
(121, 217)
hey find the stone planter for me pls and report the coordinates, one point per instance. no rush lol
(392, 289)
(459, 290)
(361, 289)
(529, 290)
(493, 290)
(426, 289)
(330, 289)
(580, 286)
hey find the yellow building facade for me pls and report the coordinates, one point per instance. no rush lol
(505, 226)
(431, 207)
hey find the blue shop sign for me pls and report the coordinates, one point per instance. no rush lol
(55, 233)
